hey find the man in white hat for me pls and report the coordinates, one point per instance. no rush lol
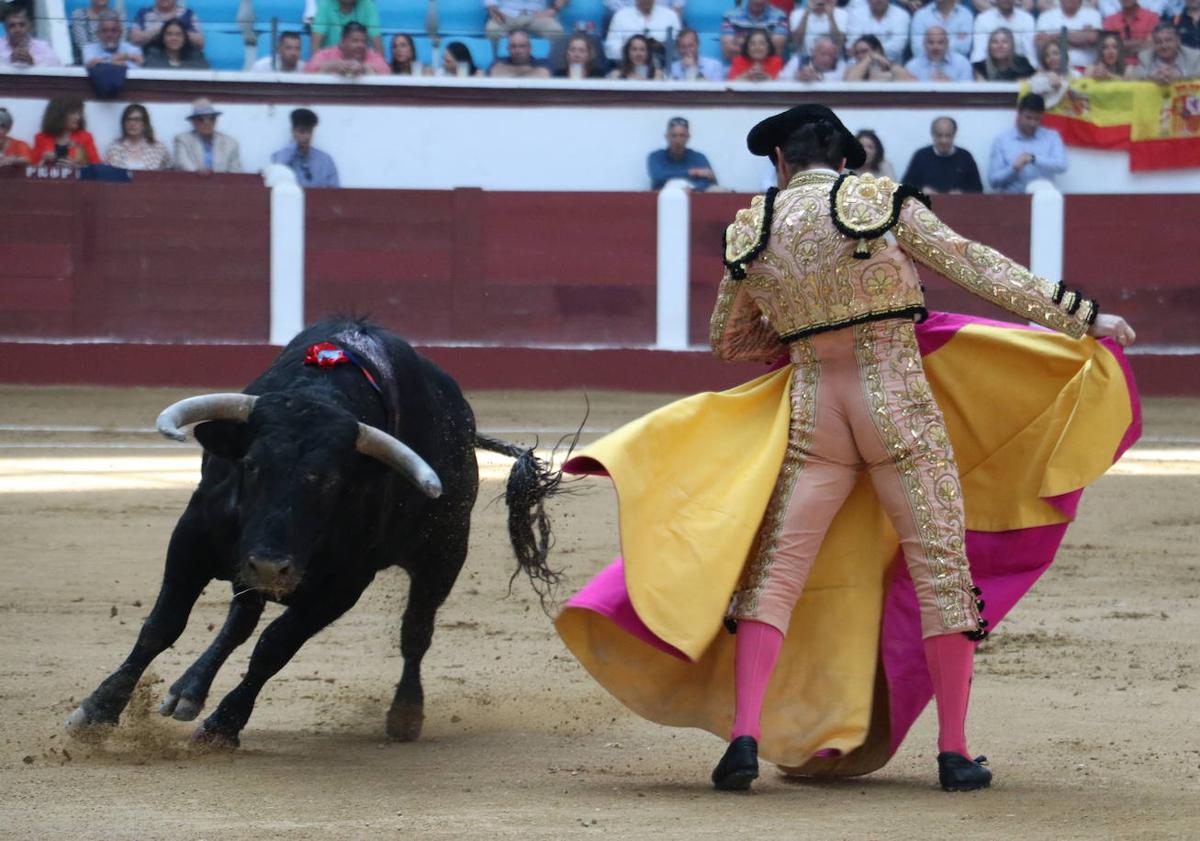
(205, 150)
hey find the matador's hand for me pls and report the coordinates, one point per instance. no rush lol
(1115, 327)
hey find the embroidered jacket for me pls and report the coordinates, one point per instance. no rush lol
(831, 251)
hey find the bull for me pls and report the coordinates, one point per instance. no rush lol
(350, 454)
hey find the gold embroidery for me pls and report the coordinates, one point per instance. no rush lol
(864, 202)
(737, 331)
(742, 235)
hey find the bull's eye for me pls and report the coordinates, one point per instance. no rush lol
(312, 478)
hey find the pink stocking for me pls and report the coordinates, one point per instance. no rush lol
(950, 658)
(757, 649)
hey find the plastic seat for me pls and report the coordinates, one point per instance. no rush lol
(705, 15)
(583, 12)
(289, 12)
(224, 48)
(457, 17)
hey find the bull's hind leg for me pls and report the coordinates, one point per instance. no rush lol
(187, 572)
(187, 695)
(430, 584)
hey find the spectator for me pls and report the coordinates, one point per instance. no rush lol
(150, 19)
(13, 152)
(876, 163)
(313, 167)
(110, 47)
(887, 22)
(457, 61)
(537, 16)
(205, 150)
(1187, 24)
(872, 65)
(333, 15)
(637, 59)
(643, 18)
(1002, 64)
(1026, 152)
(823, 64)
(1008, 15)
(750, 16)
(520, 62)
(136, 148)
(678, 161)
(943, 167)
(64, 138)
(579, 59)
(85, 27)
(1111, 61)
(1135, 25)
(691, 65)
(404, 57)
(1083, 25)
(286, 58)
(818, 18)
(938, 63)
(951, 18)
(758, 61)
(1167, 61)
(172, 49)
(350, 56)
(614, 6)
(18, 47)
(1053, 80)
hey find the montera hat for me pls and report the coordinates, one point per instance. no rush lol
(203, 108)
(774, 131)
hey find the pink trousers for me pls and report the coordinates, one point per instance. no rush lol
(860, 401)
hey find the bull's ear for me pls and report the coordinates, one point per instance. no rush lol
(228, 439)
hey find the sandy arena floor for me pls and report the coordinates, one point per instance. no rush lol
(1086, 698)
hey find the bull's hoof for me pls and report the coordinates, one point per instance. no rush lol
(88, 725)
(210, 738)
(181, 709)
(404, 722)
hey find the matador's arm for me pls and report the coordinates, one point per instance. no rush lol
(738, 331)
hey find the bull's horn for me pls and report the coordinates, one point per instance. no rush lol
(206, 407)
(398, 456)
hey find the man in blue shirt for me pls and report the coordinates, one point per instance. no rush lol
(1027, 151)
(678, 161)
(313, 167)
(939, 63)
(745, 18)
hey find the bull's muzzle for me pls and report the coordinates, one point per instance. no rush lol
(274, 576)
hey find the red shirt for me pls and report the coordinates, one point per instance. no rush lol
(1138, 28)
(81, 148)
(771, 65)
(16, 149)
(784, 5)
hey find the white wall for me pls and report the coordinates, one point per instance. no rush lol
(566, 148)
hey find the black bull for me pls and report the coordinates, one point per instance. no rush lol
(303, 498)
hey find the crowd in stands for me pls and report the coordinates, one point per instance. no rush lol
(758, 41)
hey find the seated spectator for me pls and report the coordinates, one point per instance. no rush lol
(872, 65)
(943, 167)
(136, 148)
(1110, 59)
(64, 139)
(313, 167)
(952, 18)
(642, 18)
(150, 19)
(752, 16)
(690, 65)
(110, 47)
(815, 19)
(286, 58)
(1083, 24)
(614, 6)
(1008, 15)
(1026, 152)
(457, 61)
(85, 27)
(939, 63)
(349, 57)
(886, 22)
(333, 15)
(678, 161)
(172, 49)
(758, 60)
(1053, 80)
(1167, 61)
(637, 61)
(19, 48)
(1187, 23)
(520, 62)
(876, 163)
(204, 150)
(579, 59)
(13, 152)
(823, 64)
(1002, 63)
(404, 57)
(1135, 24)
(537, 16)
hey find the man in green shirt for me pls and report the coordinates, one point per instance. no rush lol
(332, 15)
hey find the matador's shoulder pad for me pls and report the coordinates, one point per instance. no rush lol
(865, 207)
(749, 233)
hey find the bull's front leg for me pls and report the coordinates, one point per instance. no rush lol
(187, 695)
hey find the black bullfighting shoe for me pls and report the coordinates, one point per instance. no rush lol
(957, 773)
(738, 767)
